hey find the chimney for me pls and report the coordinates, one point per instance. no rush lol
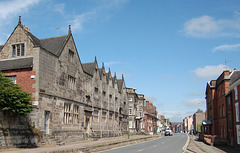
(27, 29)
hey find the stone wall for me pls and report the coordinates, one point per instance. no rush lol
(16, 131)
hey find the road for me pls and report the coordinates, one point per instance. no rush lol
(166, 144)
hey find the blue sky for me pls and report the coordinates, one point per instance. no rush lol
(167, 49)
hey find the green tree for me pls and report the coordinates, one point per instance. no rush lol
(13, 98)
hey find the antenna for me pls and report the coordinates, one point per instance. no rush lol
(225, 63)
(57, 29)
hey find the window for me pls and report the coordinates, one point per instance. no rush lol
(237, 111)
(96, 90)
(130, 111)
(18, 50)
(12, 78)
(236, 93)
(229, 121)
(130, 124)
(104, 114)
(70, 56)
(228, 100)
(67, 113)
(238, 133)
(129, 98)
(140, 103)
(220, 111)
(223, 113)
(104, 93)
(95, 116)
(71, 82)
(140, 113)
(75, 114)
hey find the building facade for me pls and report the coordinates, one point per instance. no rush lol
(136, 110)
(233, 100)
(71, 101)
(150, 114)
(198, 117)
(216, 92)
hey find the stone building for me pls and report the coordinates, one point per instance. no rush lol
(136, 105)
(71, 101)
(198, 117)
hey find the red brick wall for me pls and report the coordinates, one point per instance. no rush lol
(234, 114)
(23, 79)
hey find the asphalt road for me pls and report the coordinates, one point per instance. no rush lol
(166, 144)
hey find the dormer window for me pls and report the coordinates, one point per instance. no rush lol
(18, 50)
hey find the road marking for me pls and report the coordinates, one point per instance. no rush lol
(184, 148)
(140, 150)
(154, 146)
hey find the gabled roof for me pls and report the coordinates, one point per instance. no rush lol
(234, 77)
(89, 68)
(54, 44)
(34, 39)
(16, 63)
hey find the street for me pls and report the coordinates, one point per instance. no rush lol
(173, 144)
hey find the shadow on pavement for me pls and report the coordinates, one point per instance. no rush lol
(228, 149)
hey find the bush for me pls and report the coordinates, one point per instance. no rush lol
(13, 98)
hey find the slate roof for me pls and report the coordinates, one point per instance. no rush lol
(89, 68)
(54, 44)
(35, 40)
(16, 63)
(234, 77)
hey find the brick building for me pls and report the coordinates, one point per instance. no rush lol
(234, 109)
(72, 101)
(216, 92)
(150, 115)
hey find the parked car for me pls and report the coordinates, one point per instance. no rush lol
(168, 133)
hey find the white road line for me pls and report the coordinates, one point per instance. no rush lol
(154, 146)
(140, 150)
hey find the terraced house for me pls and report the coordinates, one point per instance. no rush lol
(72, 101)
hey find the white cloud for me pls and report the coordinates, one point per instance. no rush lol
(201, 26)
(210, 72)
(81, 19)
(10, 8)
(227, 48)
(150, 98)
(111, 63)
(194, 102)
(176, 116)
(207, 26)
(59, 7)
(119, 75)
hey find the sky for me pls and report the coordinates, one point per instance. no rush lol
(167, 49)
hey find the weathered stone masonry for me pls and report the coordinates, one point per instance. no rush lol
(72, 101)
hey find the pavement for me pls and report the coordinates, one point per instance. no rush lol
(85, 146)
(197, 146)
(193, 145)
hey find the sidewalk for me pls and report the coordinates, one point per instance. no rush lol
(85, 146)
(197, 146)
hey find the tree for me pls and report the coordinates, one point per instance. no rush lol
(13, 98)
